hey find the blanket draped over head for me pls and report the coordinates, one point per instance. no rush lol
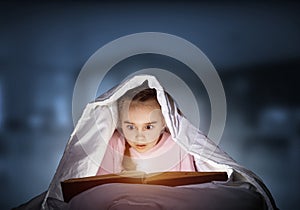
(87, 145)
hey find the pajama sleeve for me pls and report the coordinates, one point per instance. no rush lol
(187, 162)
(112, 160)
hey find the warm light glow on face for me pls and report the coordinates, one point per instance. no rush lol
(142, 124)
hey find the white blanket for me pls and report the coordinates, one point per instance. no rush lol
(135, 196)
(88, 142)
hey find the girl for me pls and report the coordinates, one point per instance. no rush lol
(142, 141)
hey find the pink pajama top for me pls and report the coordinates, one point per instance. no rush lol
(166, 155)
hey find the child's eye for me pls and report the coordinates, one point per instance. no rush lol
(130, 127)
(149, 127)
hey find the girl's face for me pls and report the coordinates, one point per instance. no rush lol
(142, 124)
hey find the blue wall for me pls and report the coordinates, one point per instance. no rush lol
(254, 47)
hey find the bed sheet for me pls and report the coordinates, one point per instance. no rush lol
(117, 196)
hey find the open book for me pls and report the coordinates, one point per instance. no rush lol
(72, 187)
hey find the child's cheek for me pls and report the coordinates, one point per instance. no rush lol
(153, 135)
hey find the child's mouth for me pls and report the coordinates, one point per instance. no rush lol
(140, 146)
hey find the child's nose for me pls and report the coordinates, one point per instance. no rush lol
(140, 136)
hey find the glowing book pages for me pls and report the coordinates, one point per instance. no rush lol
(73, 187)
